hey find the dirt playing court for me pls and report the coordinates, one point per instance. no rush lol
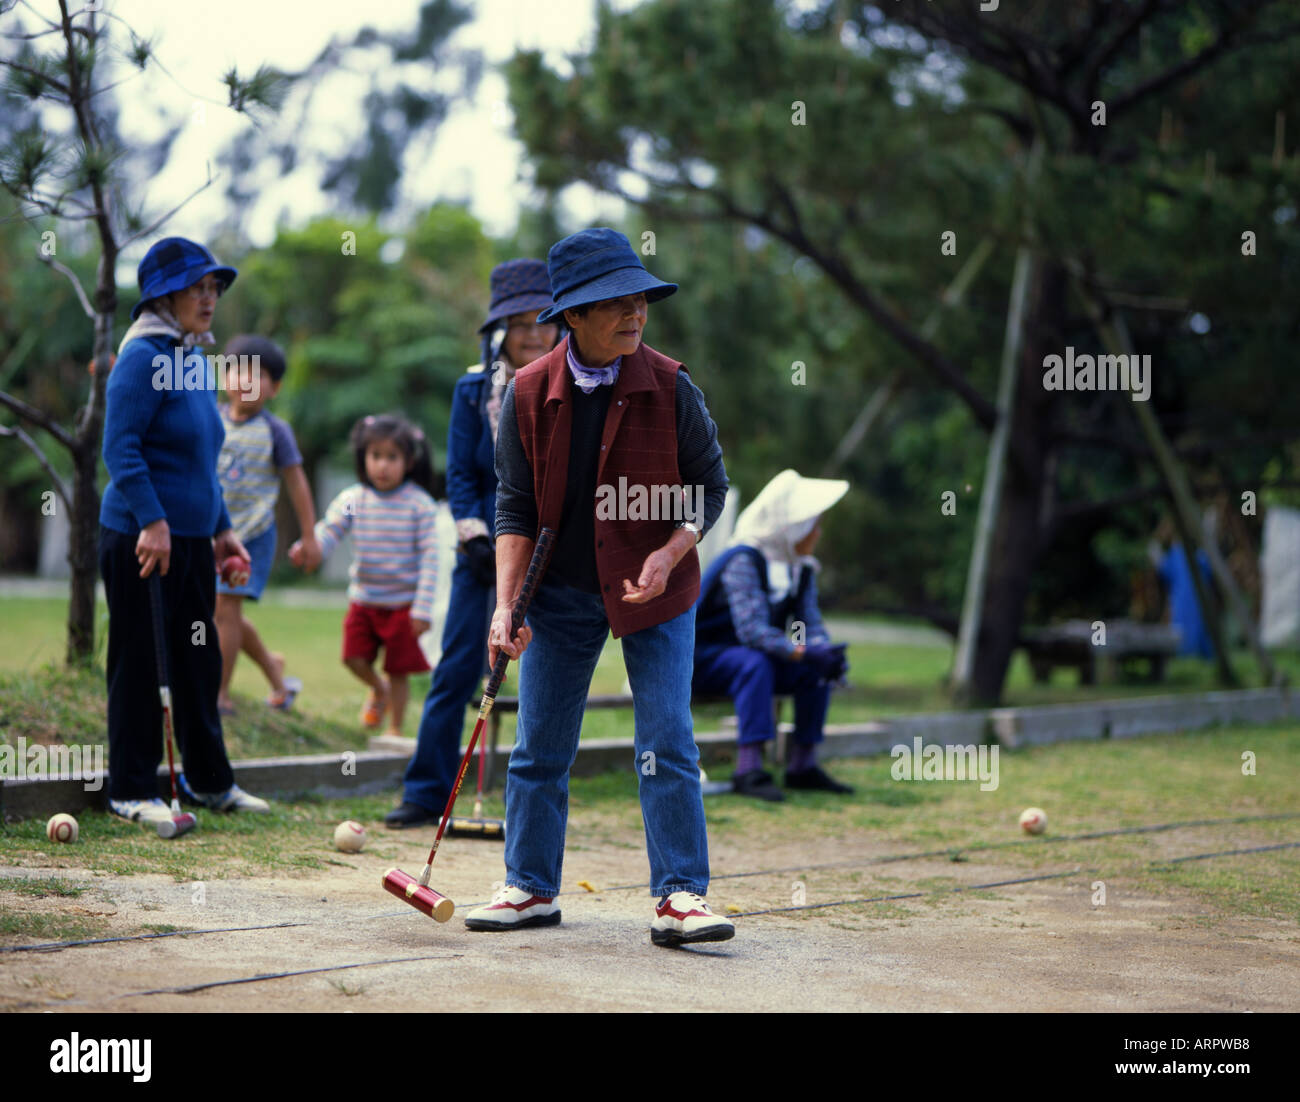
(1038, 946)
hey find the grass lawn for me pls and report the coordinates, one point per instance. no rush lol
(1084, 788)
(39, 700)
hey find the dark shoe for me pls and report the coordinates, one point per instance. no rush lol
(816, 780)
(409, 815)
(757, 783)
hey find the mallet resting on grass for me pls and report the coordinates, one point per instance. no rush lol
(181, 822)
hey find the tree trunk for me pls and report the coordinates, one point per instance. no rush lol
(1013, 559)
(1018, 537)
(83, 539)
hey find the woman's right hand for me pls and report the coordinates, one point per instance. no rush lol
(499, 635)
(154, 548)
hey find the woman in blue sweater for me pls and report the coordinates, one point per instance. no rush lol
(163, 511)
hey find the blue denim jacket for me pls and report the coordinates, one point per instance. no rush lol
(471, 470)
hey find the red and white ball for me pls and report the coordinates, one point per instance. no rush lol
(349, 836)
(1033, 820)
(236, 570)
(61, 828)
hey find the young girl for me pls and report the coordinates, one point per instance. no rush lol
(393, 519)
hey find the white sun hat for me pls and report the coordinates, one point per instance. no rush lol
(784, 513)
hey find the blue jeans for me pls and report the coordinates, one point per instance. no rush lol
(750, 678)
(569, 629)
(432, 769)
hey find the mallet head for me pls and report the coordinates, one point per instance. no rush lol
(437, 906)
(476, 828)
(177, 825)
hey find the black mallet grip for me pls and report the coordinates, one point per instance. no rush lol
(536, 568)
(154, 586)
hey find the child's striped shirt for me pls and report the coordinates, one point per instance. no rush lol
(395, 550)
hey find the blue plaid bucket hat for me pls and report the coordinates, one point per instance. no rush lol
(595, 265)
(173, 264)
(518, 287)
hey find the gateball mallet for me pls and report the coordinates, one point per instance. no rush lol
(417, 892)
(476, 826)
(181, 822)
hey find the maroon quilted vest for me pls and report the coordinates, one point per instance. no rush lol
(639, 444)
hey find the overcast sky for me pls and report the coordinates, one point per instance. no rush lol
(474, 156)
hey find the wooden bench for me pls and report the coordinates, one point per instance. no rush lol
(1071, 644)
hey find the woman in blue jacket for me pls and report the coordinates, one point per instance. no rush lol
(511, 339)
(163, 511)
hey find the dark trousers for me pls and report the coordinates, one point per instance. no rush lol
(432, 769)
(135, 738)
(750, 678)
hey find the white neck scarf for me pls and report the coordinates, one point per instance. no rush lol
(156, 320)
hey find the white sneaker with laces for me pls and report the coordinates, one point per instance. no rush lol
(684, 918)
(514, 909)
(141, 811)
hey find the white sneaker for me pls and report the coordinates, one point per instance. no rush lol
(514, 909)
(233, 799)
(141, 811)
(684, 918)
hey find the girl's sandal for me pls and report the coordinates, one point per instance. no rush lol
(372, 712)
(282, 702)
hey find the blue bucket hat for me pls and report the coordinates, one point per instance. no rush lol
(518, 287)
(595, 265)
(173, 264)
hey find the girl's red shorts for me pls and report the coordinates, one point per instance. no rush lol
(366, 628)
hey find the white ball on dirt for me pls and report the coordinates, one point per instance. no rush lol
(349, 836)
(61, 828)
(1033, 820)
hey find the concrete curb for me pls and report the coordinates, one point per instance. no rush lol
(380, 768)
(353, 773)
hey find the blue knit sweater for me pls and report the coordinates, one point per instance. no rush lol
(162, 436)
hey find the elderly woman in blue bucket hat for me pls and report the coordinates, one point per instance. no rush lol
(163, 511)
(610, 444)
(511, 337)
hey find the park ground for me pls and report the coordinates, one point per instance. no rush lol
(1219, 933)
(930, 919)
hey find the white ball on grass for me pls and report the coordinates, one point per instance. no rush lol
(1033, 820)
(61, 828)
(349, 836)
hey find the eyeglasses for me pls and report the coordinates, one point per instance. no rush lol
(209, 288)
(543, 328)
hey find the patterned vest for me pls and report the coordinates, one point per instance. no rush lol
(638, 445)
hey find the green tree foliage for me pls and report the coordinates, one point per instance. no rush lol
(65, 165)
(858, 134)
(389, 327)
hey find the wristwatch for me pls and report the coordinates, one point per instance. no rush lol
(699, 533)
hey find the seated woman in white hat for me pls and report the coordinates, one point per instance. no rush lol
(758, 631)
